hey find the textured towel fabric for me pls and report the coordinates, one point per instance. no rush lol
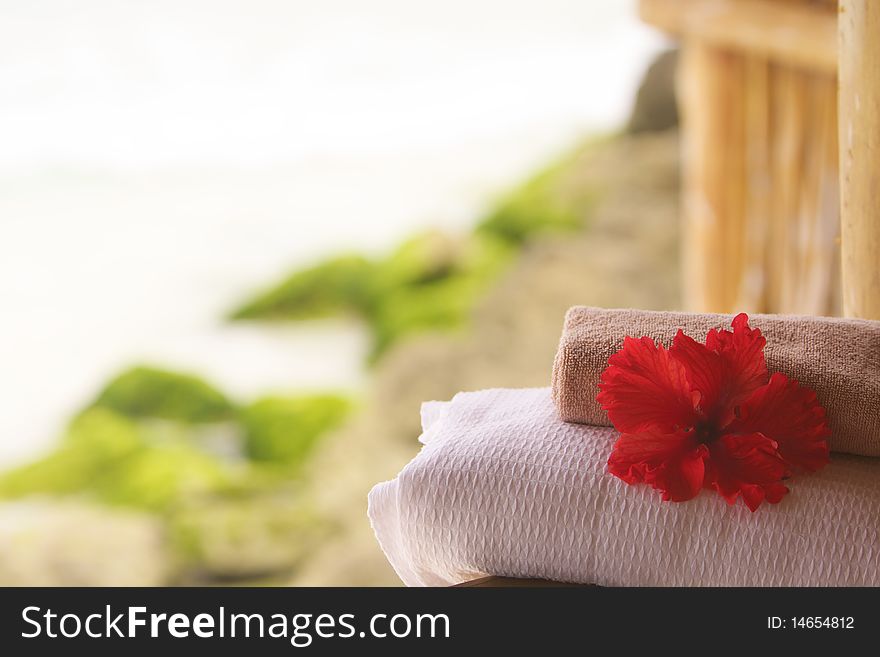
(838, 358)
(504, 487)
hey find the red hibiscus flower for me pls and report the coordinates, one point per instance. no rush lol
(710, 416)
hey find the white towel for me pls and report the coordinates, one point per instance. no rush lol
(504, 487)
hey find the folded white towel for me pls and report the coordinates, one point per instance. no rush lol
(503, 487)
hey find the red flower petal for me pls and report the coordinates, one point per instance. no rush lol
(791, 416)
(747, 465)
(672, 463)
(705, 372)
(742, 353)
(644, 389)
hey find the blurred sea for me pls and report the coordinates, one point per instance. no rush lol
(160, 161)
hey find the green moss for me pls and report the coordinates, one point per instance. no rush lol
(105, 455)
(439, 307)
(97, 442)
(420, 260)
(533, 208)
(118, 452)
(352, 284)
(103, 434)
(432, 281)
(339, 285)
(284, 430)
(442, 304)
(151, 392)
(158, 477)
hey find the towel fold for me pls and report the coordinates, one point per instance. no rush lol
(838, 358)
(504, 487)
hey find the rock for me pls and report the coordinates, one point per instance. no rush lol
(244, 536)
(53, 543)
(655, 107)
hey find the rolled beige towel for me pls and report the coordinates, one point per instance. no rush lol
(838, 358)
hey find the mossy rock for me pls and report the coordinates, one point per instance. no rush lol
(438, 303)
(145, 392)
(159, 477)
(420, 260)
(442, 306)
(105, 456)
(433, 280)
(351, 284)
(283, 430)
(340, 285)
(231, 537)
(532, 209)
(96, 442)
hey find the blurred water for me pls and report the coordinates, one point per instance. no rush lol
(160, 160)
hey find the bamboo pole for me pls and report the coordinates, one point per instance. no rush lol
(710, 97)
(735, 185)
(752, 287)
(789, 109)
(859, 138)
(820, 204)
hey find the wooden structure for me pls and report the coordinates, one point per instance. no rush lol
(859, 134)
(764, 128)
(758, 98)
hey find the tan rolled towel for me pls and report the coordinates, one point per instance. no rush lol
(838, 358)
